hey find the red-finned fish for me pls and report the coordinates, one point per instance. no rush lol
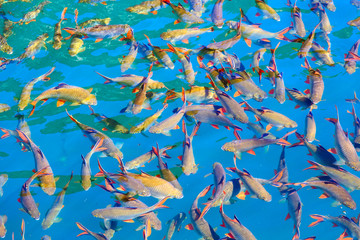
(148, 54)
(230, 105)
(350, 66)
(340, 175)
(53, 212)
(307, 43)
(102, 31)
(237, 230)
(187, 159)
(26, 92)
(63, 93)
(85, 165)
(95, 21)
(310, 127)
(76, 44)
(165, 172)
(146, 157)
(300, 99)
(259, 130)
(110, 123)
(57, 31)
(171, 122)
(273, 72)
(47, 181)
(196, 94)
(98, 236)
(356, 134)
(228, 43)
(131, 80)
(258, 55)
(323, 55)
(214, 73)
(248, 145)
(320, 154)
(355, 22)
(219, 182)
(30, 16)
(217, 14)
(201, 226)
(3, 220)
(184, 15)
(325, 25)
(125, 213)
(95, 135)
(266, 10)
(299, 27)
(197, 6)
(279, 92)
(184, 34)
(4, 46)
(351, 227)
(231, 189)
(147, 122)
(331, 189)
(175, 224)
(147, 6)
(273, 118)
(26, 200)
(187, 67)
(161, 54)
(295, 210)
(344, 148)
(7, 132)
(33, 47)
(353, 100)
(129, 59)
(3, 180)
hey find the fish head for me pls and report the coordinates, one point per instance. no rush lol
(266, 197)
(355, 166)
(190, 170)
(350, 203)
(260, 96)
(144, 192)
(91, 100)
(45, 224)
(229, 147)
(35, 214)
(7, 49)
(178, 194)
(156, 224)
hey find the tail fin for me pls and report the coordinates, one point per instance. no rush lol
(108, 80)
(148, 39)
(6, 133)
(121, 164)
(84, 229)
(160, 203)
(318, 218)
(63, 14)
(97, 147)
(282, 140)
(102, 172)
(280, 34)
(314, 165)
(354, 57)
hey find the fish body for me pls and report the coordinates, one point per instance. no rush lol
(279, 88)
(8, 26)
(356, 133)
(26, 92)
(175, 224)
(197, 6)
(231, 189)
(147, 53)
(259, 130)
(237, 230)
(307, 43)
(128, 60)
(146, 7)
(4, 46)
(188, 160)
(95, 21)
(325, 25)
(299, 27)
(300, 99)
(102, 31)
(323, 55)
(53, 212)
(184, 15)
(147, 122)
(3, 180)
(4, 107)
(310, 127)
(131, 80)
(355, 22)
(217, 14)
(257, 57)
(350, 66)
(196, 94)
(138, 103)
(110, 123)
(161, 54)
(266, 10)
(344, 148)
(3, 220)
(295, 209)
(183, 34)
(186, 64)
(30, 16)
(33, 47)
(225, 44)
(76, 45)
(95, 135)
(57, 31)
(125, 213)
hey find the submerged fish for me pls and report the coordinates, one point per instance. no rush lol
(31, 16)
(33, 47)
(147, 6)
(183, 34)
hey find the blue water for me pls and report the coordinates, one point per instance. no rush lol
(63, 143)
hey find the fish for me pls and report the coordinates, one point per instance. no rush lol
(33, 48)
(356, 134)
(3, 180)
(325, 25)
(46, 237)
(259, 130)
(217, 14)
(188, 165)
(148, 54)
(148, 121)
(31, 16)
(187, 67)
(53, 212)
(76, 45)
(299, 27)
(66, 93)
(101, 32)
(161, 54)
(353, 100)
(331, 189)
(26, 92)
(307, 43)
(3, 220)
(196, 94)
(110, 227)
(340, 175)
(4, 107)
(323, 55)
(26, 200)
(131, 80)
(95, 135)
(110, 123)
(201, 226)
(295, 210)
(126, 213)
(8, 26)
(228, 43)
(355, 22)
(165, 172)
(329, 4)
(197, 6)
(344, 148)
(98, 236)
(273, 72)
(231, 189)
(350, 66)
(147, 6)
(183, 34)
(219, 183)
(85, 165)
(128, 60)
(4, 46)
(171, 122)
(300, 99)
(258, 55)
(183, 15)
(248, 145)
(95, 21)
(310, 127)
(271, 117)
(47, 180)
(175, 224)
(57, 31)
(266, 10)
(349, 225)
(237, 230)
(231, 107)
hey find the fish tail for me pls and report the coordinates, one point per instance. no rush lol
(33, 109)
(196, 128)
(171, 48)
(108, 80)
(22, 228)
(147, 229)
(68, 183)
(314, 165)
(6, 133)
(148, 39)
(200, 62)
(280, 34)
(332, 120)
(166, 1)
(108, 186)
(318, 218)
(156, 150)
(275, 180)
(354, 57)
(71, 117)
(84, 229)
(45, 77)
(206, 209)
(160, 203)
(63, 14)
(24, 138)
(300, 138)
(184, 127)
(76, 16)
(71, 31)
(101, 172)
(97, 147)
(121, 164)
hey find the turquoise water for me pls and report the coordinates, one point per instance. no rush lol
(63, 143)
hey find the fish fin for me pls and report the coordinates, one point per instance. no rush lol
(318, 218)
(287, 216)
(248, 42)
(60, 102)
(128, 221)
(324, 195)
(252, 152)
(189, 227)
(241, 195)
